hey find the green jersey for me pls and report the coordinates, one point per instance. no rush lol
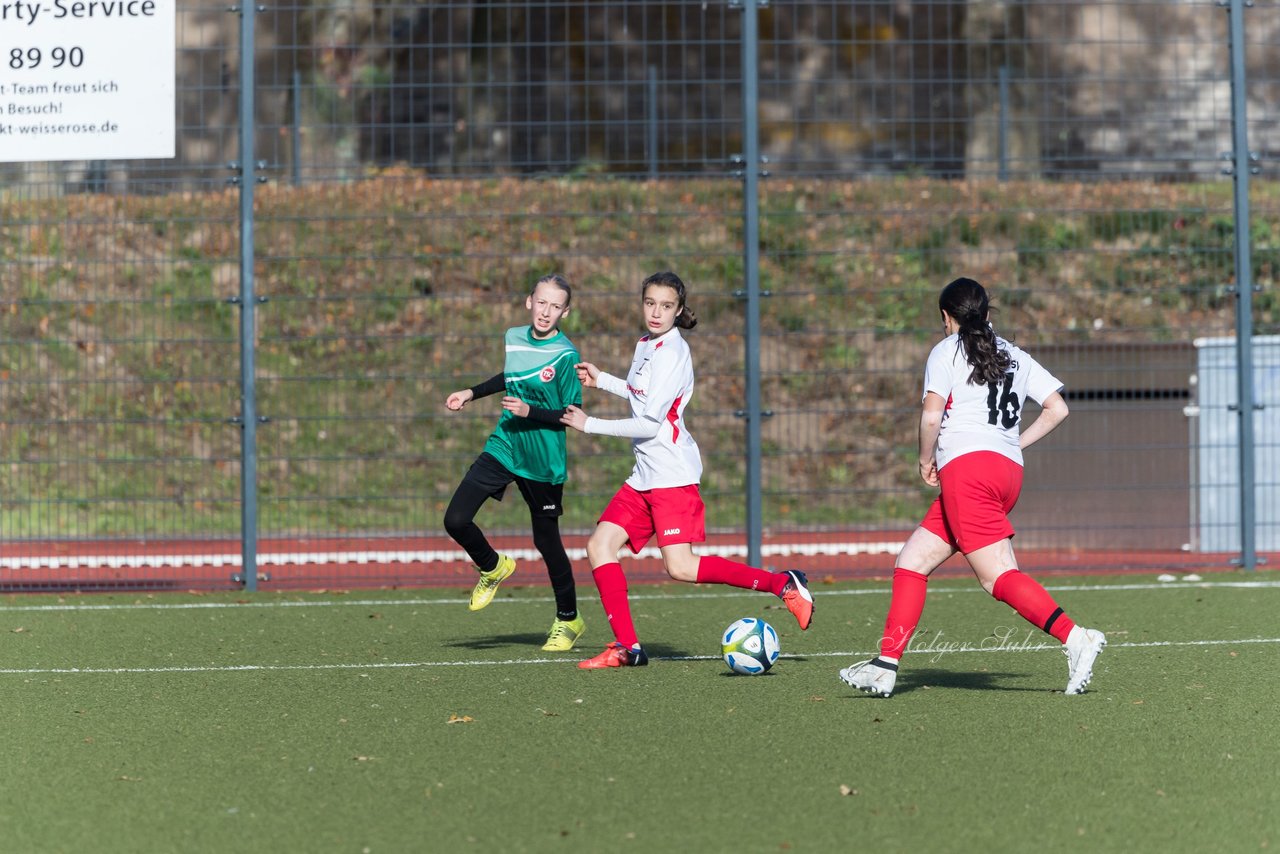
(541, 373)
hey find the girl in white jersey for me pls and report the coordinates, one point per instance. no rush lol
(661, 496)
(975, 384)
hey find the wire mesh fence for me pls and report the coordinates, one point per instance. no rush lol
(423, 164)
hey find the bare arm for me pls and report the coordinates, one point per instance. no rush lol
(930, 426)
(1052, 413)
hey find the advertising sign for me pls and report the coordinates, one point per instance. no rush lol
(86, 79)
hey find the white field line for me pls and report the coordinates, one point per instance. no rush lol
(521, 662)
(364, 558)
(730, 593)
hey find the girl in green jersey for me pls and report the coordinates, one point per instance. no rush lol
(527, 446)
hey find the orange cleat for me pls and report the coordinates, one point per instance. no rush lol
(797, 598)
(616, 655)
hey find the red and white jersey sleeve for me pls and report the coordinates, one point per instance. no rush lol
(659, 386)
(984, 417)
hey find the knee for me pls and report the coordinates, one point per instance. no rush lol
(683, 568)
(600, 551)
(547, 545)
(989, 580)
(546, 535)
(454, 523)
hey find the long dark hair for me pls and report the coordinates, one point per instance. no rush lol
(966, 301)
(685, 318)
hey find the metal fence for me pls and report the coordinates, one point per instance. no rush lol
(229, 367)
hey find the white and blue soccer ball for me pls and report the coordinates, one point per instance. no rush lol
(750, 646)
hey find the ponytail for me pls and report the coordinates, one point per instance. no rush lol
(966, 301)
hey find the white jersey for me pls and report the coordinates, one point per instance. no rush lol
(983, 417)
(659, 386)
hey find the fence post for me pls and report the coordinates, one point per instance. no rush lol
(651, 121)
(751, 268)
(1242, 160)
(1003, 127)
(248, 309)
(295, 132)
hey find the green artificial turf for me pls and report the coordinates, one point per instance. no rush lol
(398, 721)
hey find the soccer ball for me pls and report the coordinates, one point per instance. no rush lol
(750, 646)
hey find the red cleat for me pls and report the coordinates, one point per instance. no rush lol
(616, 655)
(798, 599)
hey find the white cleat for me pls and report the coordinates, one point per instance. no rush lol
(1082, 649)
(875, 676)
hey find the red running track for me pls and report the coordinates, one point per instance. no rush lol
(372, 562)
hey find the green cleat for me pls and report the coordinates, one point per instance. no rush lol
(564, 634)
(487, 587)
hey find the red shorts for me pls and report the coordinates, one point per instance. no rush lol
(978, 491)
(676, 514)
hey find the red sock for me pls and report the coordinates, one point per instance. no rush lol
(1033, 603)
(612, 585)
(718, 570)
(905, 608)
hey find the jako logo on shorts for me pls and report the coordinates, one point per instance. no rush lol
(670, 532)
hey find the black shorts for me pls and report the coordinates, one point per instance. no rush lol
(492, 477)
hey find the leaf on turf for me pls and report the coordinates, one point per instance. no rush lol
(460, 719)
(846, 791)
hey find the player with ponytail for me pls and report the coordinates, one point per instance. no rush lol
(661, 499)
(975, 384)
(966, 301)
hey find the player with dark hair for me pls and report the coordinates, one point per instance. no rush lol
(975, 384)
(527, 446)
(661, 496)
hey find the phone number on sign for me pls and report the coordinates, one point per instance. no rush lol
(30, 58)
